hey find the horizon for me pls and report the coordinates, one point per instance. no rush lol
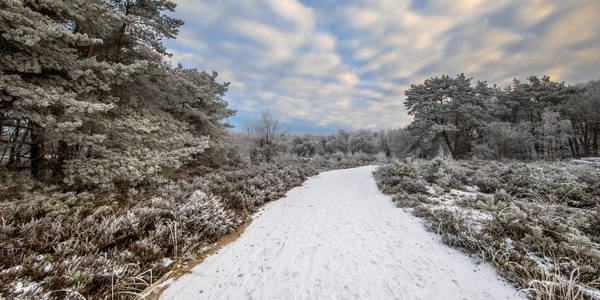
(321, 66)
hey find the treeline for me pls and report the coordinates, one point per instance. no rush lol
(87, 98)
(533, 119)
(267, 138)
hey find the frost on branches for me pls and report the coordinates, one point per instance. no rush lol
(87, 98)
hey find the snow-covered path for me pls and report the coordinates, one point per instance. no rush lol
(338, 237)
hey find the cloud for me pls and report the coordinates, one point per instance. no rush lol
(293, 10)
(362, 18)
(534, 11)
(346, 64)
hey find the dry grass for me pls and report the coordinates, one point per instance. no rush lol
(61, 244)
(154, 290)
(535, 222)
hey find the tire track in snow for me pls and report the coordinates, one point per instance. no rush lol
(338, 236)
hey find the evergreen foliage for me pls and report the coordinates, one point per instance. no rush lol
(535, 119)
(87, 98)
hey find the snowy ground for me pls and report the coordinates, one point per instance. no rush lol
(338, 237)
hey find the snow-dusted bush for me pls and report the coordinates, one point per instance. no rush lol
(81, 242)
(401, 177)
(535, 222)
(97, 243)
(552, 183)
(249, 185)
(412, 176)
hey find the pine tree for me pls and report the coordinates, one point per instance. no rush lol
(44, 82)
(449, 110)
(583, 110)
(98, 104)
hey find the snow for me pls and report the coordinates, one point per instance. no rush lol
(166, 262)
(472, 189)
(447, 202)
(21, 288)
(594, 161)
(48, 268)
(585, 162)
(463, 193)
(593, 294)
(338, 236)
(431, 190)
(17, 268)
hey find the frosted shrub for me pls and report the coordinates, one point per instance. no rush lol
(381, 158)
(404, 199)
(401, 177)
(444, 173)
(205, 214)
(502, 196)
(76, 238)
(538, 227)
(318, 161)
(485, 175)
(147, 249)
(437, 172)
(549, 183)
(338, 156)
(408, 168)
(92, 243)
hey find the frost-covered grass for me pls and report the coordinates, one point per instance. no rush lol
(538, 223)
(67, 244)
(337, 237)
(95, 245)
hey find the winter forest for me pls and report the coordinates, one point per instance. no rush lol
(119, 166)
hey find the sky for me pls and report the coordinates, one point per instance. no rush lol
(324, 65)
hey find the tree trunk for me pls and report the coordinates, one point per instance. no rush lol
(120, 45)
(455, 153)
(456, 137)
(595, 144)
(586, 139)
(573, 153)
(1, 133)
(64, 153)
(12, 157)
(122, 34)
(448, 143)
(36, 154)
(578, 147)
(90, 51)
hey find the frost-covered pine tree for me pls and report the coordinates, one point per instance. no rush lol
(583, 110)
(88, 82)
(449, 111)
(45, 84)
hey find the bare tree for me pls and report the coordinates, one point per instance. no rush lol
(266, 134)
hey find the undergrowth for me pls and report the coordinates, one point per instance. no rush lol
(536, 223)
(61, 244)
